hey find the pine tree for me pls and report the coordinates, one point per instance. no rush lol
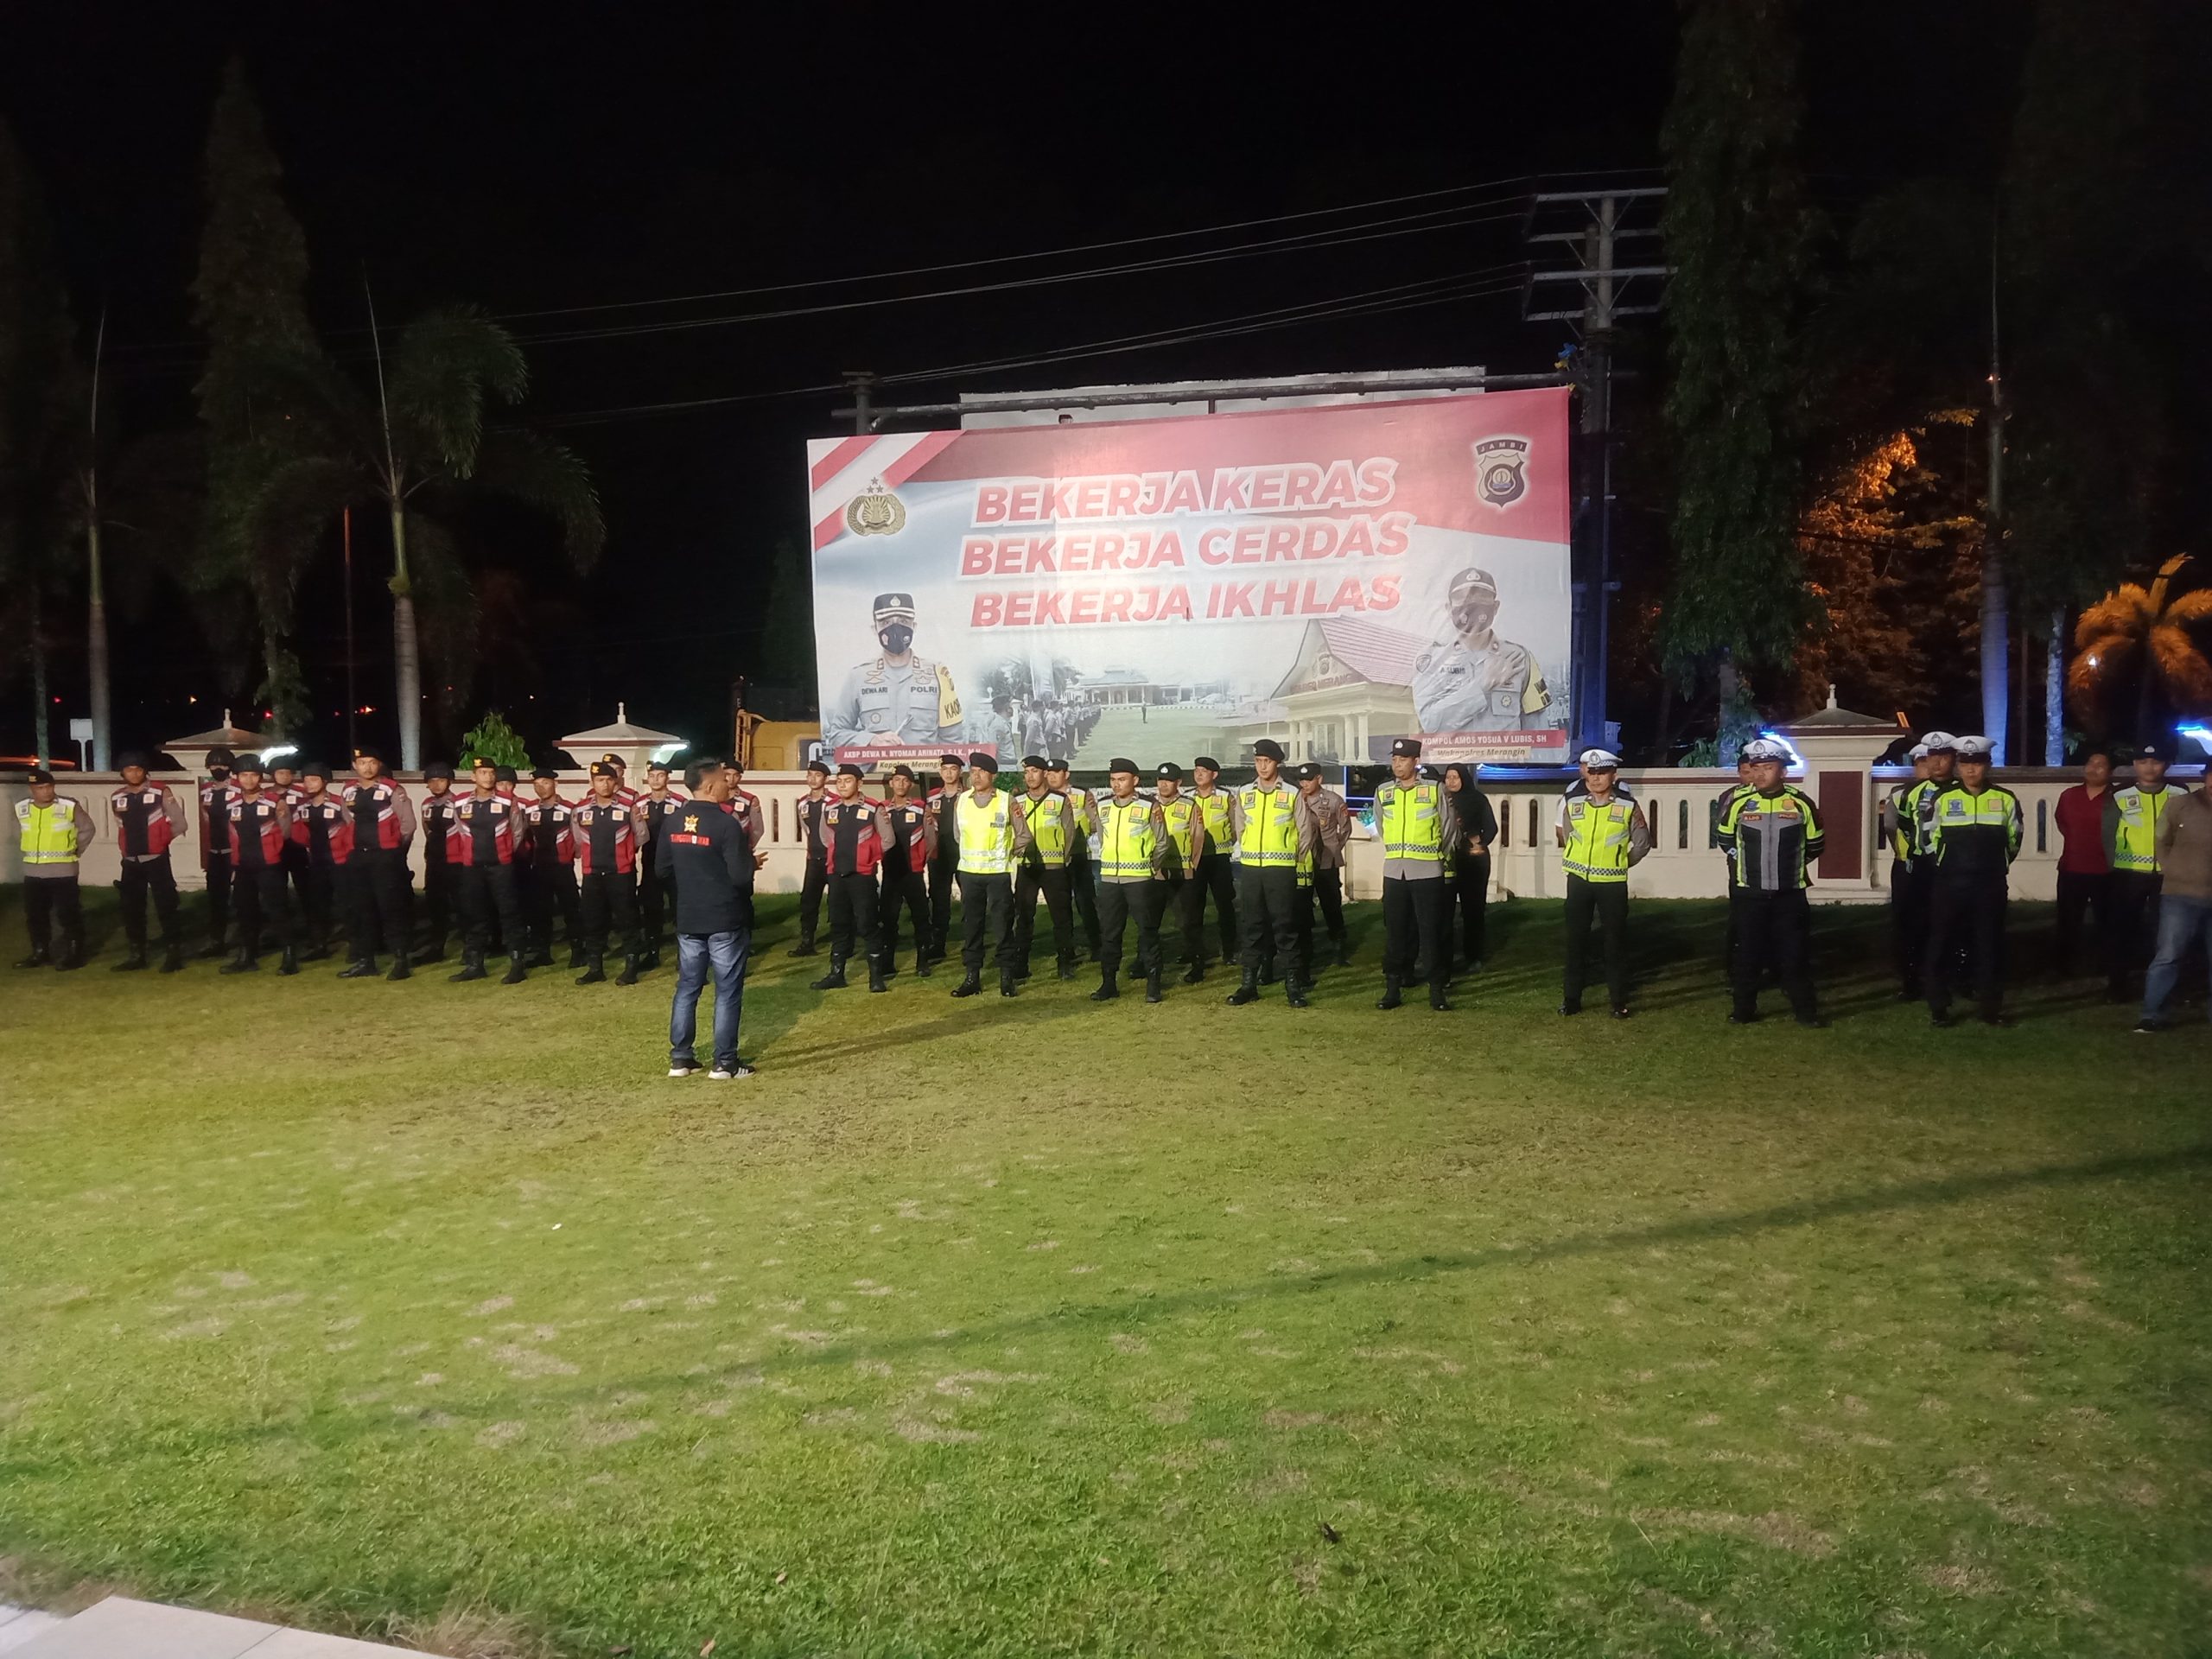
(1738, 235)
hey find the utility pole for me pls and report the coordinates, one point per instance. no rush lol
(352, 698)
(1995, 601)
(862, 382)
(1596, 222)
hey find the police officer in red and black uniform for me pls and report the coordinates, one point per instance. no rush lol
(485, 846)
(653, 808)
(853, 831)
(284, 783)
(815, 881)
(606, 830)
(148, 820)
(944, 850)
(377, 883)
(904, 858)
(549, 876)
(322, 832)
(438, 876)
(215, 845)
(259, 825)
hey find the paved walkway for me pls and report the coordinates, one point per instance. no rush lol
(120, 1628)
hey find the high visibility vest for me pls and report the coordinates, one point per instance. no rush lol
(1413, 823)
(1182, 816)
(1913, 807)
(986, 834)
(1048, 825)
(49, 832)
(1215, 808)
(2135, 837)
(1270, 837)
(1126, 838)
(1597, 838)
(1306, 868)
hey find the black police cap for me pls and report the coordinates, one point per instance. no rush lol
(1057, 765)
(601, 769)
(1036, 761)
(1207, 761)
(1311, 769)
(902, 769)
(376, 755)
(1169, 769)
(984, 762)
(39, 775)
(1409, 746)
(1268, 749)
(950, 760)
(1123, 763)
(820, 765)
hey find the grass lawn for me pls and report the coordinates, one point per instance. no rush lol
(1007, 1329)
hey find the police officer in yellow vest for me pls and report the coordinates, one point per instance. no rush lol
(1770, 832)
(2133, 818)
(53, 831)
(1973, 835)
(1216, 875)
(1184, 824)
(1133, 845)
(1414, 821)
(1047, 825)
(1271, 827)
(1600, 832)
(983, 825)
(1913, 900)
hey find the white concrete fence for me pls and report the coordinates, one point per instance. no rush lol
(1682, 805)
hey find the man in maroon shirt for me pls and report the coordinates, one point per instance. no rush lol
(2084, 873)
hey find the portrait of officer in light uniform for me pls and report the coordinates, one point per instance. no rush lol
(896, 697)
(1475, 681)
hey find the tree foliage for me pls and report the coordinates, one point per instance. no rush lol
(2140, 643)
(493, 737)
(1738, 234)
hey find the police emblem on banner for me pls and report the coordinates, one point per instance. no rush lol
(1501, 470)
(875, 511)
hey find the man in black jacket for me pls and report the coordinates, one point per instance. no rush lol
(705, 856)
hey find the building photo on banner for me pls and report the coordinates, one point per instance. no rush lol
(1332, 577)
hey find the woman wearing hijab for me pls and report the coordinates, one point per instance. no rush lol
(1478, 828)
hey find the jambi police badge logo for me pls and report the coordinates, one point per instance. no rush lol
(875, 511)
(1501, 471)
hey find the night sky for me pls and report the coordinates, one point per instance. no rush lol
(534, 159)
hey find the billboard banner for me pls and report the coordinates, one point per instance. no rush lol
(1331, 577)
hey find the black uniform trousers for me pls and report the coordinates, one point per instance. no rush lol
(264, 919)
(1302, 961)
(1606, 903)
(1771, 930)
(1416, 928)
(2132, 900)
(1909, 916)
(140, 877)
(52, 902)
(1267, 902)
(1471, 897)
(295, 873)
(438, 883)
(986, 907)
(941, 880)
(852, 915)
(220, 878)
(489, 891)
(326, 890)
(811, 886)
(2081, 891)
(1216, 879)
(1966, 907)
(904, 889)
(1052, 881)
(652, 898)
(546, 888)
(607, 900)
(1328, 899)
(1119, 902)
(1175, 894)
(376, 891)
(1083, 894)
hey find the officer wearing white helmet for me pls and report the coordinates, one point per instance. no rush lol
(1770, 831)
(1600, 832)
(1897, 831)
(1910, 909)
(1973, 835)
(1475, 681)
(896, 697)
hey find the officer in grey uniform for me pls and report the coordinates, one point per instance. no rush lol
(898, 697)
(1476, 681)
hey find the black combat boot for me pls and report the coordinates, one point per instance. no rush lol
(39, 957)
(1006, 982)
(1152, 986)
(1393, 992)
(1293, 991)
(833, 979)
(1343, 953)
(289, 962)
(877, 980)
(970, 985)
(172, 957)
(578, 956)
(515, 974)
(1067, 966)
(629, 974)
(1196, 976)
(1109, 986)
(242, 962)
(72, 953)
(1436, 997)
(472, 967)
(594, 971)
(434, 951)
(804, 947)
(131, 964)
(1249, 991)
(399, 968)
(360, 967)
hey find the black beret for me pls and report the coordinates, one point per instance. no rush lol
(317, 769)
(438, 769)
(1036, 761)
(950, 760)
(987, 762)
(902, 769)
(820, 765)
(1121, 763)
(1208, 762)
(39, 775)
(1409, 746)
(849, 770)
(369, 755)
(505, 775)
(613, 759)
(1311, 769)
(544, 772)
(479, 762)
(133, 758)
(1268, 749)
(220, 757)
(657, 765)
(1169, 769)
(602, 769)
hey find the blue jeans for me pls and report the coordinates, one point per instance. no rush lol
(728, 952)
(2182, 923)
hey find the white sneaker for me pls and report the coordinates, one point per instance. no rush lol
(720, 1075)
(682, 1068)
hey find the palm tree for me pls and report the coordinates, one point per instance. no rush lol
(2137, 628)
(416, 451)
